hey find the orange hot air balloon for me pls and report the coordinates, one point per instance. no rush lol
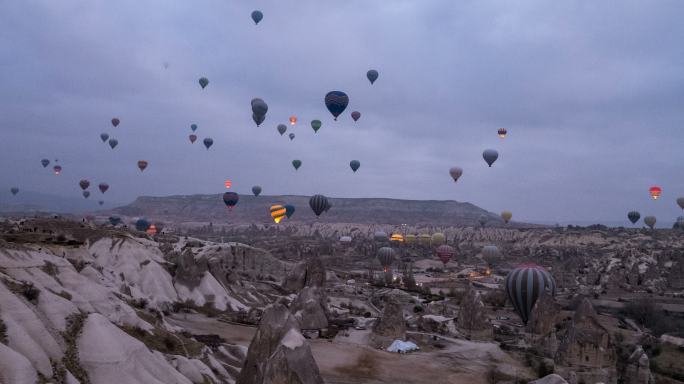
(278, 212)
(655, 192)
(293, 120)
(228, 184)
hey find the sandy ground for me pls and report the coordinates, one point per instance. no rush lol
(347, 359)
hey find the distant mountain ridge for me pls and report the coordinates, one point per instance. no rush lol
(251, 209)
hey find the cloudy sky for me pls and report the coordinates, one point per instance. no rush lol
(592, 94)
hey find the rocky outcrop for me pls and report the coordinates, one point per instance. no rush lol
(544, 315)
(392, 324)
(278, 352)
(435, 324)
(310, 309)
(472, 319)
(638, 369)
(306, 274)
(550, 379)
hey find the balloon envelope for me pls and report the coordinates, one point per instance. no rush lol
(192, 138)
(296, 164)
(680, 202)
(292, 136)
(633, 216)
(14, 190)
(193, 127)
(293, 120)
(455, 173)
(258, 119)
(103, 187)
(318, 204)
(490, 156)
(57, 169)
(372, 75)
(208, 142)
(257, 16)
(502, 132)
(104, 137)
(230, 199)
(256, 190)
(142, 225)
(524, 285)
(336, 102)
(386, 256)
(259, 107)
(84, 184)
(289, 210)
(316, 125)
(45, 162)
(115, 122)
(650, 221)
(438, 238)
(380, 236)
(356, 115)
(354, 165)
(655, 192)
(203, 82)
(113, 143)
(86, 194)
(282, 128)
(142, 164)
(445, 253)
(277, 212)
(506, 216)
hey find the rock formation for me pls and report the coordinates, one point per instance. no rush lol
(306, 274)
(392, 324)
(472, 319)
(278, 352)
(310, 309)
(638, 369)
(544, 315)
(550, 379)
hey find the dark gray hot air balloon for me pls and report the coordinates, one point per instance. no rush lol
(14, 190)
(256, 190)
(258, 119)
(386, 257)
(282, 128)
(208, 142)
(296, 164)
(318, 204)
(490, 156)
(380, 236)
(104, 137)
(525, 284)
(633, 216)
(45, 163)
(203, 82)
(113, 143)
(354, 165)
(372, 75)
(292, 136)
(257, 16)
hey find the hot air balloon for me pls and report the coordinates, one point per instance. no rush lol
(425, 239)
(104, 137)
(289, 210)
(86, 194)
(455, 173)
(318, 204)
(502, 132)
(525, 284)
(259, 106)
(115, 122)
(482, 220)
(57, 169)
(193, 127)
(84, 184)
(356, 115)
(445, 253)
(650, 221)
(680, 202)
(490, 253)
(203, 82)
(113, 143)
(14, 190)
(410, 239)
(45, 162)
(655, 192)
(277, 212)
(258, 119)
(354, 164)
(296, 164)
(228, 183)
(316, 125)
(256, 190)
(142, 164)
(490, 156)
(293, 120)
(380, 236)
(152, 230)
(282, 128)
(142, 225)
(397, 238)
(386, 256)
(101, 202)
(230, 199)
(438, 239)
(114, 220)
(506, 216)
(633, 216)
(336, 102)
(292, 136)
(257, 16)
(103, 187)
(192, 138)
(208, 142)
(372, 75)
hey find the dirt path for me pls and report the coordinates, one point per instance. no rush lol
(200, 324)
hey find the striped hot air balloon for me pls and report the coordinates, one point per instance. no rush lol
(386, 256)
(278, 212)
(525, 284)
(502, 132)
(445, 253)
(396, 237)
(318, 204)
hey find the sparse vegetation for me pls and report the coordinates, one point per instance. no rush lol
(30, 292)
(3, 332)
(71, 360)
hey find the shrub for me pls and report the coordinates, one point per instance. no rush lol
(30, 292)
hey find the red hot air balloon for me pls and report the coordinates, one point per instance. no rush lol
(228, 184)
(293, 120)
(445, 253)
(115, 122)
(192, 138)
(356, 115)
(103, 187)
(84, 184)
(57, 169)
(142, 164)
(655, 192)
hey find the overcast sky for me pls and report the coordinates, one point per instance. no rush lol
(591, 92)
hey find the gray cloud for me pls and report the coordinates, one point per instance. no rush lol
(590, 92)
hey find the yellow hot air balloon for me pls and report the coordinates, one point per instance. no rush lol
(277, 212)
(410, 239)
(397, 237)
(425, 239)
(293, 120)
(506, 216)
(438, 239)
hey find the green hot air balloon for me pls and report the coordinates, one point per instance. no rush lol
(316, 125)
(193, 127)
(633, 216)
(354, 164)
(203, 82)
(296, 164)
